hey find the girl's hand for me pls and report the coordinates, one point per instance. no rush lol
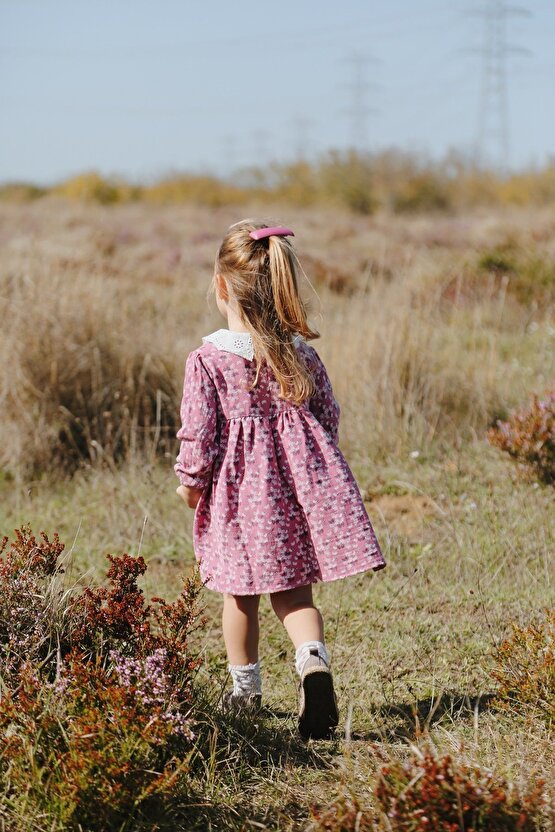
(190, 495)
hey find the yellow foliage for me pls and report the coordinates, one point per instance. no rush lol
(205, 190)
(363, 182)
(91, 187)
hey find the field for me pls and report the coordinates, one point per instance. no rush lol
(433, 327)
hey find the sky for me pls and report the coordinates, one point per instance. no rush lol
(147, 88)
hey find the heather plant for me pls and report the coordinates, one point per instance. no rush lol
(41, 621)
(114, 620)
(31, 613)
(432, 793)
(98, 717)
(97, 745)
(525, 668)
(529, 436)
(447, 795)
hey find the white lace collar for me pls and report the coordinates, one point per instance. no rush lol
(239, 343)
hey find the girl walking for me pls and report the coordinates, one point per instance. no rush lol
(277, 508)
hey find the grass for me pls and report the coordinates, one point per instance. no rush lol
(435, 352)
(412, 647)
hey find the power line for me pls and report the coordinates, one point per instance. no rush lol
(493, 134)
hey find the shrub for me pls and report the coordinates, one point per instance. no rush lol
(21, 191)
(497, 261)
(30, 612)
(96, 745)
(203, 190)
(349, 178)
(362, 181)
(295, 183)
(92, 187)
(529, 436)
(428, 793)
(444, 795)
(531, 277)
(525, 668)
(98, 722)
(114, 620)
(423, 191)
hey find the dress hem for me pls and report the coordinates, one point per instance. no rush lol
(375, 565)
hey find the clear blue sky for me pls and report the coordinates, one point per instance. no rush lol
(145, 87)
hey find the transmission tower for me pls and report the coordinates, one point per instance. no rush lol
(229, 154)
(493, 140)
(260, 147)
(358, 88)
(301, 126)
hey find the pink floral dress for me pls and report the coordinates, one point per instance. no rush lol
(280, 506)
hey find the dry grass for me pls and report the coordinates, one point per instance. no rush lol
(101, 306)
(426, 348)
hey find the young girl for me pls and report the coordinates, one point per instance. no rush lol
(277, 508)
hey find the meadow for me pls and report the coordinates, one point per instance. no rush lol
(434, 326)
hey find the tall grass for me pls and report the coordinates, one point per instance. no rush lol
(99, 314)
(432, 330)
(84, 382)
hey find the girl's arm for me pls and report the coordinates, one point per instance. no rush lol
(323, 403)
(199, 428)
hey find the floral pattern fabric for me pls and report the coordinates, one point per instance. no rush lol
(280, 507)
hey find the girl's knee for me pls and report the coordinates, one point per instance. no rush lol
(244, 603)
(290, 600)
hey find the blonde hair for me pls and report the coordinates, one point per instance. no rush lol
(262, 278)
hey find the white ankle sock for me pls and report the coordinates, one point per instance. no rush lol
(246, 678)
(303, 652)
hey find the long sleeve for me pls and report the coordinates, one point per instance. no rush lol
(199, 426)
(323, 403)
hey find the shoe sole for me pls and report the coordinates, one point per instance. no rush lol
(319, 716)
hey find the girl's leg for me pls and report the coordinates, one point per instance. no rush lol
(318, 715)
(240, 628)
(296, 611)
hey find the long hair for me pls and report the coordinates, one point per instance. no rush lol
(261, 277)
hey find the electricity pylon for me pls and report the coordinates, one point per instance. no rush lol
(493, 132)
(358, 111)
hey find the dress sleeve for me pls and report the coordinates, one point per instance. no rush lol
(323, 403)
(199, 426)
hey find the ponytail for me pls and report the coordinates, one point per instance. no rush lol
(288, 304)
(262, 277)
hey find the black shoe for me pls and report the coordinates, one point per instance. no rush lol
(318, 714)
